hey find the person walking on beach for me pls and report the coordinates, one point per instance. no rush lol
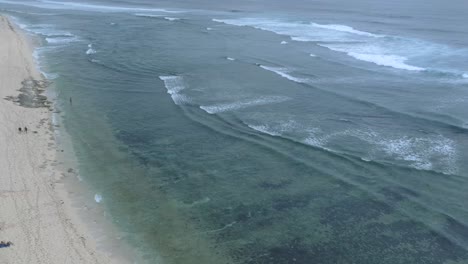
(26, 129)
(71, 101)
(19, 129)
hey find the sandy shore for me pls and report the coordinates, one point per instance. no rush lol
(35, 213)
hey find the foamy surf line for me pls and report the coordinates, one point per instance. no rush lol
(394, 61)
(423, 153)
(174, 84)
(57, 5)
(283, 72)
(296, 29)
(347, 29)
(364, 46)
(220, 108)
(61, 40)
(90, 50)
(171, 18)
(147, 15)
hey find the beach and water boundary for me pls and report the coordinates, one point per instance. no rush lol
(268, 167)
(45, 210)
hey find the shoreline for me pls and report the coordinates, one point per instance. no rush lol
(38, 216)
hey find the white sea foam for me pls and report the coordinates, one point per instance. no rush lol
(48, 31)
(172, 18)
(283, 72)
(220, 108)
(42, 29)
(50, 76)
(147, 15)
(301, 31)
(465, 75)
(394, 61)
(174, 85)
(265, 129)
(315, 141)
(61, 40)
(209, 29)
(347, 29)
(231, 59)
(97, 198)
(284, 42)
(29, 13)
(37, 55)
(94, 7)
(374, 55)
(421, 151)
(378, 49)
(90, 50)
(275, 129)
(312, 55)
(424, 153)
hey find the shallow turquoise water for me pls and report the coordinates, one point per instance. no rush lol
(322, 134)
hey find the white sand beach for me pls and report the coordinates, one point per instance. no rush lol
(35, 214)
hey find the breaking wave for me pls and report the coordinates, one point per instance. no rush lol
(397, 52)
(225, 107)
(174, 85)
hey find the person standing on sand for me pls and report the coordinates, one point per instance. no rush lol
(19, 129)
(26, 129)
(71, 101)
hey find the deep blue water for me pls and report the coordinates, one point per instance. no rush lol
(267, 131)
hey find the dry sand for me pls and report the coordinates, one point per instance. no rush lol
(35, 213)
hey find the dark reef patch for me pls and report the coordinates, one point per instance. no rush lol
(31, 94)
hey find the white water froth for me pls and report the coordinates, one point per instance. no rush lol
(90, 50)
(423, 153)
(231, 59)
(174, 85)
(275, 129)
(394, 61)
(283, 72)
(172, 18)
(465, 75)
(301, 31)
(97, 198)
(44, 30)
(283, 42)
(381, 50)
(94, 7)
(49, 31)
(312, 55)
(209, 29)
(61, 40)
(146, 15)
(347, 29)
(220, 108)
(37, 55)
(265, 129)
(29, 13)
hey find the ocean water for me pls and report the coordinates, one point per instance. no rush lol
(267, 131)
